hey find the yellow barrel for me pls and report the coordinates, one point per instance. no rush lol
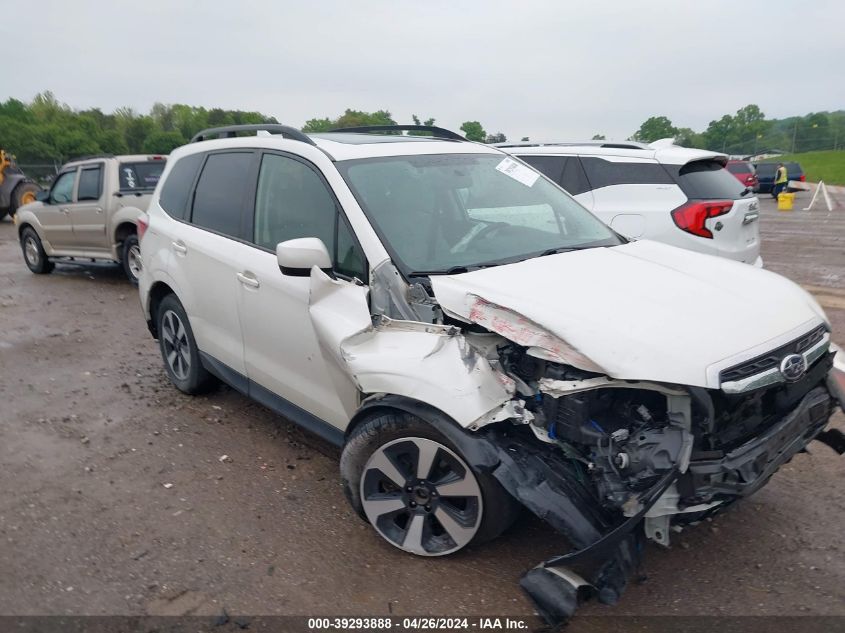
(785, 201)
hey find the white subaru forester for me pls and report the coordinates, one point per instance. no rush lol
(477, 342)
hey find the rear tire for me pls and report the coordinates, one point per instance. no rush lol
(33, 253)
(23, 194)
(182, 361)
(478, 508)
(131, 258)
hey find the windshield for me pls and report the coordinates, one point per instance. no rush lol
(455, 212)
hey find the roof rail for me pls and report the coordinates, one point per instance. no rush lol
(231, 131)
(605, 144)
(436, 132)
(90, 157)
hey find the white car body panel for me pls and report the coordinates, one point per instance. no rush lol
(611, 307)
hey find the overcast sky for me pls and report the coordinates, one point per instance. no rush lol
(544, 69)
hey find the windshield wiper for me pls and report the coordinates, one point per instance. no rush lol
(454, 270)
(745, 192)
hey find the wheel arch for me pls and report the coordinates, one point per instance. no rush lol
(123, 230)
(158, 291)
(475, 449)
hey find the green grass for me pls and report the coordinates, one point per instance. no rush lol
(828, 166)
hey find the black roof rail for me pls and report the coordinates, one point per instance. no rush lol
(436, 132)
(231, 131)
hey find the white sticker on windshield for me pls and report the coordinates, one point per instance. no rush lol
(518, 172)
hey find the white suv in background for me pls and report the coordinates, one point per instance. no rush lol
(661, 192)
(476, 341)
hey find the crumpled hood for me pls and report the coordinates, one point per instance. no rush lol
(641, 311)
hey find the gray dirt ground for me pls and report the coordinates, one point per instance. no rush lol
(90, 430)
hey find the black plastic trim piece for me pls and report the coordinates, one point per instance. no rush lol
(231, 131)
(272, 401)
(233, 378)
(288, 409)
(436, 132)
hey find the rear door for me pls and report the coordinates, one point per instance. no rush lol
(208, 251)
(86, 213)
(633, 195)
(736, 234)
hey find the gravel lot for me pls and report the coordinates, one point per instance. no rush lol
(115, 498)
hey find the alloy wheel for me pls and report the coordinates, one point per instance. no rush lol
(421, 496)
(133, 260)
(177, 351)
(30, 250)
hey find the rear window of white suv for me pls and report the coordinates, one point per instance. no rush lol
(706, 180)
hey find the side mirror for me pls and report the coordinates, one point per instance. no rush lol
(43, 196)
(297, 257)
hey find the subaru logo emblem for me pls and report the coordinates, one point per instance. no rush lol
(792, 367)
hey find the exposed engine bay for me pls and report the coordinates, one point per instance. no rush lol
(613, 455)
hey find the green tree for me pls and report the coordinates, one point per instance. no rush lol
(161, 142)
(473, 131)
(318, 125)
(655, 128)
(498, 137)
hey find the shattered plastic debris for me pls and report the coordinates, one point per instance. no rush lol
(168, 485)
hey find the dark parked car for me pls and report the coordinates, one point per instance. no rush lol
(745, 173)
(766, 174)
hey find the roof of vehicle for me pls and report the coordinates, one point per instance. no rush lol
(661, 152)
(347, 145)
(124, 158)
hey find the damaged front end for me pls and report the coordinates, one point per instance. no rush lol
(607, 462)
(616, 455)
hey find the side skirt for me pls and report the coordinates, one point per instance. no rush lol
(272, 401)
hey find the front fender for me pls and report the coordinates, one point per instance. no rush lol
(25, 217)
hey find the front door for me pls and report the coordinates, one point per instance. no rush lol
(54, 216)
(281, 349)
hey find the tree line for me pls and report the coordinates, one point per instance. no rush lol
(48, 132)
(750, 132)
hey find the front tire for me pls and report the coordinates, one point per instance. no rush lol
(24, 193)
(179, 348)
(33, 253)
(417, 490)
(131, 258)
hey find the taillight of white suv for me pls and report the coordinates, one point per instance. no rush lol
(692, 216)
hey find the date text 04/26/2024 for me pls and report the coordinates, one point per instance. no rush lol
(417, 624)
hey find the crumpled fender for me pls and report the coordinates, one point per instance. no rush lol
(421, 361)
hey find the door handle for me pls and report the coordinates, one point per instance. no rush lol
(247, 279)
(180, 248)
(65, 210)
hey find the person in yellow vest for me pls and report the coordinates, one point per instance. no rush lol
(780, 181)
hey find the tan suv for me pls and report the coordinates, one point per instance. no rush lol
(90, 212)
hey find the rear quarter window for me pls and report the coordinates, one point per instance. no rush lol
(740, 168)
(706, 180)
(176, 190)
(140, 176)
(605, 173)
